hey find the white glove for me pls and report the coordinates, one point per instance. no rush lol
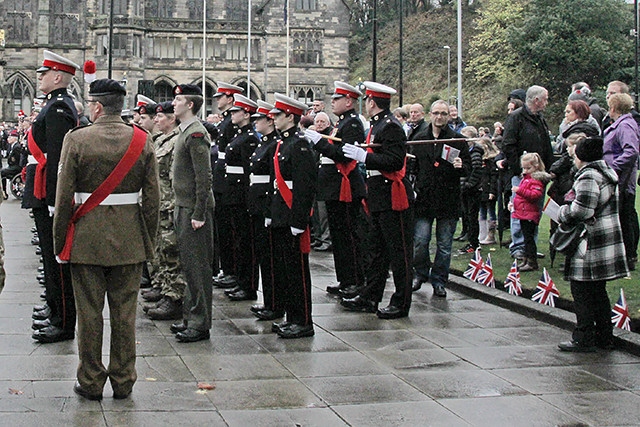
(52, 210)
(312, 136)
(61, 261)
(267, 222)
(296, 231)
(356, 153)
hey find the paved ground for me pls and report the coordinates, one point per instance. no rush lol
(453, 362)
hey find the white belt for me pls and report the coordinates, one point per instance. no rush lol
(259, 179)
(111, 199)
(326, 161)
(31, 160)
(221, 155)
(373, 172)
(239, 170)
(289, 184)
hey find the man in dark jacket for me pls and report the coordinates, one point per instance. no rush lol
(56, 118)
(390, 202)
(526, 130)
(437, 184)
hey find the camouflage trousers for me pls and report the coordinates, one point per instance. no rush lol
(165, 269)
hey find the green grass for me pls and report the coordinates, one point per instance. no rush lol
(501, 261)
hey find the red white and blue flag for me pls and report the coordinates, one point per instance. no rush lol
(475, 266)
(512, 283)
(620, 314)
(486, 274)
(547, 291)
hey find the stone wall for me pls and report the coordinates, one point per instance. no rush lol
(330, 21)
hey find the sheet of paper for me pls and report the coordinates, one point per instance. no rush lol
(449, 153)
(551, 209)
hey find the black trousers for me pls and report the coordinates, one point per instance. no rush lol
(391, 241)
(57, 276)
(224, 233)
(241, 232)
(529, 233)
(593, 313)
(343, 222)
(262, 260)
(292, 278)
(629, 223)
(471, 209)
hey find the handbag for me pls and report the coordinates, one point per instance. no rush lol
(566, 238)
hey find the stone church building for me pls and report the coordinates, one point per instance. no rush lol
(157, 44)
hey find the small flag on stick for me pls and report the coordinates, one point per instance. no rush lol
(475, 266)
(512, 283)
(547, 291)
(486, 274)
(620, 314)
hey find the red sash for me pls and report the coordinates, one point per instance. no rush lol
(116, 176)
(344, 169)
(399, 199)
(40, 180)
(287, 195)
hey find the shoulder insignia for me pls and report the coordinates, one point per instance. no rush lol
(59, 110)
(79, 127)
(197, 135)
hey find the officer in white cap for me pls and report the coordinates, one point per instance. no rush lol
(233, 198)
(260, 186)
(390, 202)
(227, 277)
(141, 101)
(295, 176)
(56, 118)
(341, 186)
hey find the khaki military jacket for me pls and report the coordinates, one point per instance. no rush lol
(108, 235)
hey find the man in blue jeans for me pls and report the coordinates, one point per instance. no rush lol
(437, 171)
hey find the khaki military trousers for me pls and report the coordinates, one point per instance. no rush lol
(120, 284)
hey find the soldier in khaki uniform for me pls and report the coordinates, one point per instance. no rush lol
(168, 278)
(111, 241)
(193, 214)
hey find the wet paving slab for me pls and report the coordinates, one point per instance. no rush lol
(457, 361)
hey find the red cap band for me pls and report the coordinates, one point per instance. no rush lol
(246, 107)
(375, 94)
(227, 91)
(345, 92)
(57, 66)
(288, 108)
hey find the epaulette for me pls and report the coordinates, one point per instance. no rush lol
(138, 126)
(79, 127)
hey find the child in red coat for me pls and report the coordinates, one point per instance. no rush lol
(527, 205)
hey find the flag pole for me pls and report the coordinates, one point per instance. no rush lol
(286, 19)
(204, 57)
(249, 55)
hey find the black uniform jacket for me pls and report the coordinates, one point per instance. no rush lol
(298, 167)
(388, 157)
(437, 182)
(260, 168)
(56, 118)
(227, 132)
(238, 155)
(350, 130)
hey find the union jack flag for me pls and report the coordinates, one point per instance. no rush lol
(547, 291)
(512, 283)
(475, 266)
(620, 314)
(486, 275)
